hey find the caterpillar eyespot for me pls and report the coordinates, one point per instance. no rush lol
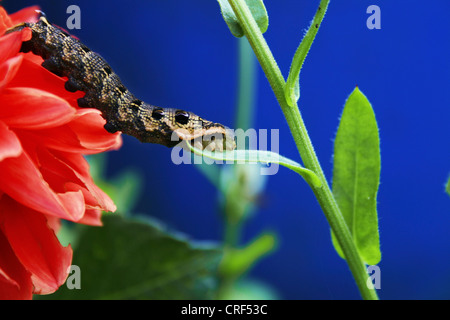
(157, 114)
(182, 117)
(87, 71)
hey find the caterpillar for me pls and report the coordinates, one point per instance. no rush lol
(88, 72)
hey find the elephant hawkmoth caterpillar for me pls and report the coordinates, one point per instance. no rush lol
(87, 71)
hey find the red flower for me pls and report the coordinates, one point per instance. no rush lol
(43, 175)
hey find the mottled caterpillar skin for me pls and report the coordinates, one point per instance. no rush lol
(87, 71)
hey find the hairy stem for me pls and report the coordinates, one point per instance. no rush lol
(304, 145)
(292, 82)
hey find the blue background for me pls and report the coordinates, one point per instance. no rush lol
(181, 54)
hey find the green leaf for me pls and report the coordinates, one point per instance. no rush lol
(260, 156)
(356, 175)
(236, 261)
(130, 259)
(257, 9)
(292, 88)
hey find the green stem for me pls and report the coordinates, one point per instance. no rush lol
(292, 90)
(232, 230)
(304, 145)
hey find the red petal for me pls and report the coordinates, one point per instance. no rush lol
(57, 167)
(5, 21)
(15, 280)
(53, 223)
(96, 200)
(36, 246)
(62, 177)
(22, 181)
(65, 139)
(9, 69)
(31, 108)
(81, 169)
(32, 74)
(10, 45)
(9, 143)
(92, 217)
(89, 129)
(28, 14)
(60, 138)
(74, 160)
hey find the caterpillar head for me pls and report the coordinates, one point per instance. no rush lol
(169, 127)
(200, 133)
